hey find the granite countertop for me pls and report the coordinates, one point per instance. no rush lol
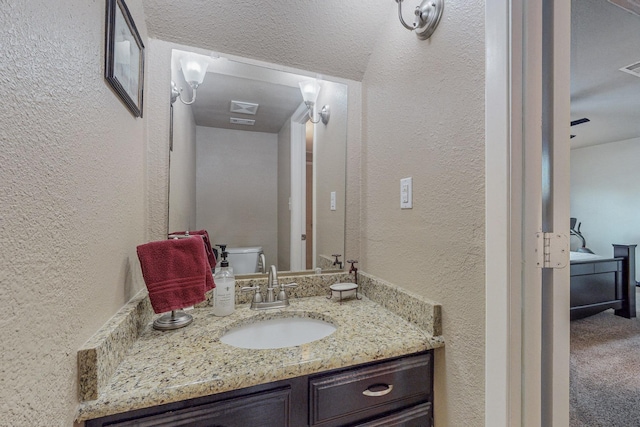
(164, 367)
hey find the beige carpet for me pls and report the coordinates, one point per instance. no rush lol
(605, 371)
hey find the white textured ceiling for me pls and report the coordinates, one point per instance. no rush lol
(332, 37)
(276, 103)
(604, 38)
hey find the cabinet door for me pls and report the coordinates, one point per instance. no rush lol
(267, 409)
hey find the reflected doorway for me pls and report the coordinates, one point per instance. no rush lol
(309, 195)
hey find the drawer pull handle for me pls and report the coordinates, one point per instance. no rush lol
(378, 390)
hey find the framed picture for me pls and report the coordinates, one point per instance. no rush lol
(124, 56)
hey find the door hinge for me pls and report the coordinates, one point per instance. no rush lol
(552, 250)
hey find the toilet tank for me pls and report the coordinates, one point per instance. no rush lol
(244, 260)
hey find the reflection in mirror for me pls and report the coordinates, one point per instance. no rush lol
(248, 165)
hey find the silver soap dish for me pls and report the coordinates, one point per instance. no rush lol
(343, 291)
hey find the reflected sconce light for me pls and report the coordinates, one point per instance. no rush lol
(310, 90)
(194, 69)
(427, 18)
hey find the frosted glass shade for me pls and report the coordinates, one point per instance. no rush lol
(310, 90)
(193, 70)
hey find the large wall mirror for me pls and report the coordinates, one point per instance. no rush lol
(248, 165)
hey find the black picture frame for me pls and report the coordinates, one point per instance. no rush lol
(124, 56)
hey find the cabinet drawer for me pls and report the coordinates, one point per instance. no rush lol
(416, 416)
(370, 390)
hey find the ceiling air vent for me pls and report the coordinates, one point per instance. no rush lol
(237, 121)
(244, 107)
(632, 69)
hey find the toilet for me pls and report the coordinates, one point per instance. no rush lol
(244, 260)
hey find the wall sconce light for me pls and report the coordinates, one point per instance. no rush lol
(428, 16)
(194, 70)
(310, 90)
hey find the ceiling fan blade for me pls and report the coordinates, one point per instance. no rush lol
(580, 121)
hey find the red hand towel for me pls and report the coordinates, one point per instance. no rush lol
(210, 255)
(207, 242)
(175, 271)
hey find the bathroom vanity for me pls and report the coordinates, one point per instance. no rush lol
(376, 369)
(397, 391)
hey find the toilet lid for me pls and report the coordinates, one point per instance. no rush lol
(245, 250)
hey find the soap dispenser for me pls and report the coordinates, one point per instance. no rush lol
(224, 294)
(223, 251)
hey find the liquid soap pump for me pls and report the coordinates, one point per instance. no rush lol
(224, 254)
(224, 294)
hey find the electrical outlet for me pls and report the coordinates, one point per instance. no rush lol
(333, 200)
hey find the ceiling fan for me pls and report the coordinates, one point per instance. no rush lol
(579, 122)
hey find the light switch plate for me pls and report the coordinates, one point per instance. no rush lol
(333, 200)
(406, 193)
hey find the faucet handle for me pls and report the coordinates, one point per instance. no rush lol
(282, 295)
(257, 297)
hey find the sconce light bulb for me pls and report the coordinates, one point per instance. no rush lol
(309, 90)
(194, 70)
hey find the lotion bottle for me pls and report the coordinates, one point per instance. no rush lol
(224, 294)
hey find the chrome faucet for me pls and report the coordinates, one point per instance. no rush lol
(274, 298)
(272, 283)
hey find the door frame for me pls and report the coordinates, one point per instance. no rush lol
(526, 362)
(297, 206)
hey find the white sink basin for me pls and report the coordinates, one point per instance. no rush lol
(278, 333)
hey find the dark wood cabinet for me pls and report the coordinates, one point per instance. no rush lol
(394, 392)
(241, 411)
(343, 397)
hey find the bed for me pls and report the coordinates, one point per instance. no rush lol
(599, 283)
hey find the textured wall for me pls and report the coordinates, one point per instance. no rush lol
(604, 194)
(71, 201)
(236, 190)
(423, 117)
